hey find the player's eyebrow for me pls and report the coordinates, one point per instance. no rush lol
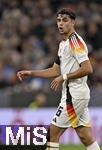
(63, 18)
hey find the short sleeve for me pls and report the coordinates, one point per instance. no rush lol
(57, 60)
(78, 48)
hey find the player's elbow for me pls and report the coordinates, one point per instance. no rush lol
(57, 73)
(89, 70)
(87, 67)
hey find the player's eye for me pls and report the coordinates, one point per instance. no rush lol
(58, 20)
(65, 19)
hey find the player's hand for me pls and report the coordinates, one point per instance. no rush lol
(22, 74)
(57, 82)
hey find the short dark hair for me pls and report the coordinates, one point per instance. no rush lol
(68, 12)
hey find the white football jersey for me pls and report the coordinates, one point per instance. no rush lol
(72, 52)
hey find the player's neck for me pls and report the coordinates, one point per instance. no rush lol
(65, 36)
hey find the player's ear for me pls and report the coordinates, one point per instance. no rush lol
(73, 22)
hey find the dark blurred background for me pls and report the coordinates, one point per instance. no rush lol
(29, 40)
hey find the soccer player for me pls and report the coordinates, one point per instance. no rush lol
(70, 70)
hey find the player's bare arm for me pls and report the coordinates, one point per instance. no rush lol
(84, 70)
(54, 71)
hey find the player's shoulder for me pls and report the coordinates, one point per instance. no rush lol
(77, 43)
(75, 36)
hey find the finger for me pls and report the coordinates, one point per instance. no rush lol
(20, 78)
(55, 88)
(53, 82)
(52, 86)
(19, 74)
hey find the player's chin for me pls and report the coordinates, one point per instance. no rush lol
(61, 32)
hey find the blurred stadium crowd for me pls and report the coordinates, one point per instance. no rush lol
(29, 40)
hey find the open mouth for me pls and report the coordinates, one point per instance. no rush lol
(60, 28)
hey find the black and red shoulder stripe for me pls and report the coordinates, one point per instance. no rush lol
(76, 43)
